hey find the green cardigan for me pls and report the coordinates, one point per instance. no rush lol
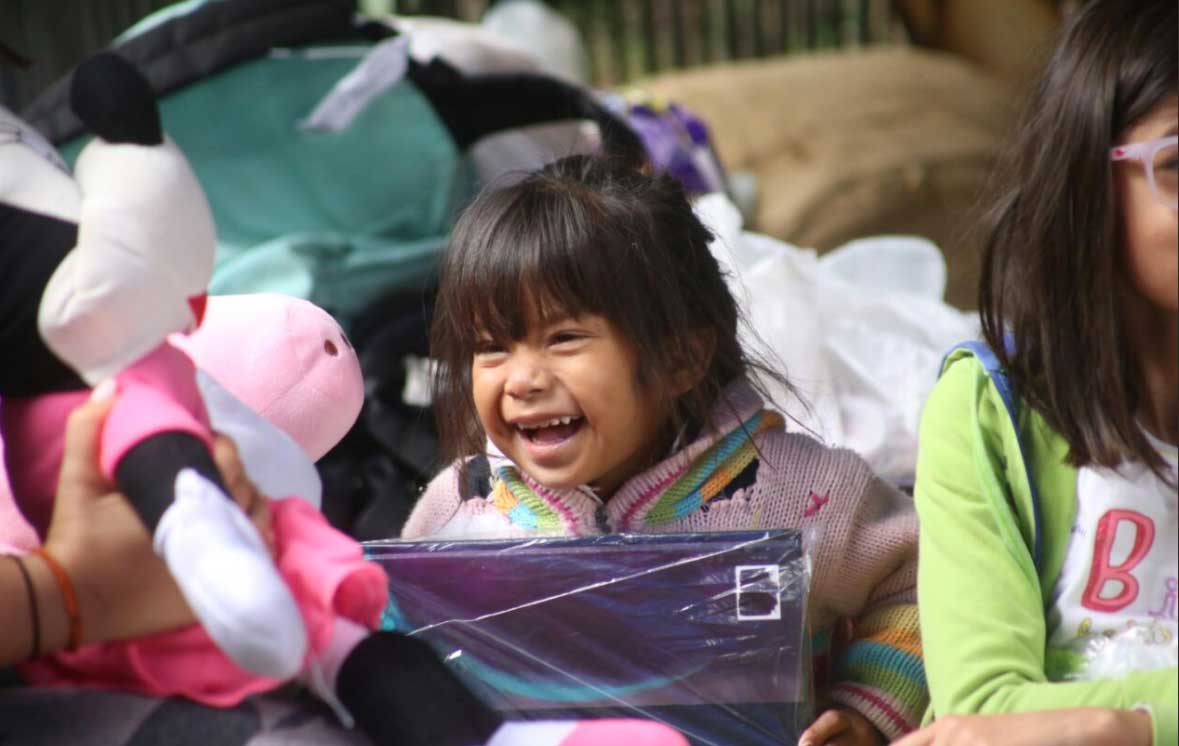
(981, 601)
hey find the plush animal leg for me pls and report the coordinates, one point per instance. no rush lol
(399, 691)
(219, 561)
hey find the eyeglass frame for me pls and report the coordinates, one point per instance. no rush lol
(1144, 152)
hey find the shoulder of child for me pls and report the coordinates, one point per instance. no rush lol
(961, 404)
(816, 478)
(436, 505)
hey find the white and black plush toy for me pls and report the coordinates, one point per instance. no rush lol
(98, 270)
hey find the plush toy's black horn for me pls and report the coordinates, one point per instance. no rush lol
(115, 101)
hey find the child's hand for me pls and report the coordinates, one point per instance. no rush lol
(841, 727)
(1078, 726)
(123, 588)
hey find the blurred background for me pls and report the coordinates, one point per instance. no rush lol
(625, 39)
(839, 149)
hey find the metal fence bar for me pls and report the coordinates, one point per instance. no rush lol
(649, 36)
(784, 24)
(758, 21)
(812, 25)
(617, 41)
(732, 34)
(679, 40)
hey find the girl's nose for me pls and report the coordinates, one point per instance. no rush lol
(526, 378)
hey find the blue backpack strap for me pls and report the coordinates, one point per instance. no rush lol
(990, 363)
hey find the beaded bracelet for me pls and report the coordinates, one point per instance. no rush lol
(67, 594)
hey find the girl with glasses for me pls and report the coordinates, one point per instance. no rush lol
(1074, 643)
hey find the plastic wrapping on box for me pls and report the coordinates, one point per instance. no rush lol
(705, 632)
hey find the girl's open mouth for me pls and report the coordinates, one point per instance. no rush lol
(553, 432)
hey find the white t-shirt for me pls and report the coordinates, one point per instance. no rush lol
(1115, 603)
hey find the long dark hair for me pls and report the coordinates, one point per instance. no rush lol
(587, 235)
(1051, 271)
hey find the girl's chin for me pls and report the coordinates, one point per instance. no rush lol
(554, 479)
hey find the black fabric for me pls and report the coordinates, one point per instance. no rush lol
(179, 722)
(202, 42)
(65, 716)
(373, 476)
(33, 247)
(401, 693)
(475, 106)
(147, 473)
(115, 101)
(745, 479)
(475, 478)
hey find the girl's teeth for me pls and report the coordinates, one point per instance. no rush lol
(551, 423)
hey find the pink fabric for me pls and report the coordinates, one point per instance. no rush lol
(34, 431)
(326, 571)
(157, 394)
(630, 732)
(16, 535)
(287, 359)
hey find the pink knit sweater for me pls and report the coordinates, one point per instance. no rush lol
(864, 564)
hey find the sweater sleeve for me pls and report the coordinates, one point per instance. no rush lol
(880, 672)
(437, 505)
(982, 619)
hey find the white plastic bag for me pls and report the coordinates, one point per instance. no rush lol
(860, 331)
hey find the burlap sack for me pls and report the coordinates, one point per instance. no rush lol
(849, 144)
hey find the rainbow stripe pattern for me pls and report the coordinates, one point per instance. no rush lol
(523, 507)
(712, 471)
(881, 673)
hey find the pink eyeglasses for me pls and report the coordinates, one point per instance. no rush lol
(1162, 167)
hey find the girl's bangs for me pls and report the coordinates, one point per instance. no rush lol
(536, 265)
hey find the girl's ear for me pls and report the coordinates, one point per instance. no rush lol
(695, 355)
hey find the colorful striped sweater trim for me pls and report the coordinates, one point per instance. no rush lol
(878, 707)
(885, 662)
(517, 500)
(528, 505)
(709, 474)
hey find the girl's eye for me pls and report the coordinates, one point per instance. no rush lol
(488, 347)
(565, 338)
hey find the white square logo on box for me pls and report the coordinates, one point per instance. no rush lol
(758, 593)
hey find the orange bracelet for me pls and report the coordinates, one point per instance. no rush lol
(67, 594)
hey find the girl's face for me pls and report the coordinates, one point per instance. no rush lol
(565, 405)
(1148, 229)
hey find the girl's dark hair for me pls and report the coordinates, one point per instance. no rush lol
(586, 235)
(1051, 274)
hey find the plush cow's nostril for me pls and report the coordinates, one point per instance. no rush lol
(330, 348)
